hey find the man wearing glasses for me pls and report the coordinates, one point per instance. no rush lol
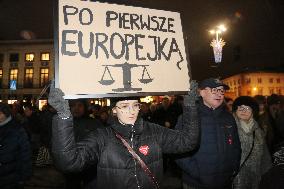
(217, 159)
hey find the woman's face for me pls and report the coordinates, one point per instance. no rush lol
(2, 117)
(127, 111)
(244, 112)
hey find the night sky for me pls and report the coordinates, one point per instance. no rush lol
(254, 39)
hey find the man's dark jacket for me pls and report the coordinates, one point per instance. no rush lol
(15, 155)
(219, 153)
(116, 168)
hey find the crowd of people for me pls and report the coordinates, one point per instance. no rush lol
(218, 142)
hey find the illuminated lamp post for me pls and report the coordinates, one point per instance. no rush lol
(217, 43)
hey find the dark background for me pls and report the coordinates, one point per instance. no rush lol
(254, 39)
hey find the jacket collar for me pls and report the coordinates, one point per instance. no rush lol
(206, 110)
(126, 130)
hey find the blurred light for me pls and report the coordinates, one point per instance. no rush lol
(254, 89)
(147, 99)
(41, 103)
(11, 101)
(222, 27)
(108, 102)
(212, 31)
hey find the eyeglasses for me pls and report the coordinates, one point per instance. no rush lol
(244, 108)
(216, 90)
(126, 107)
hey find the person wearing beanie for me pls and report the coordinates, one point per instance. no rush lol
(255, 160)
(15, 152)
(128, 153)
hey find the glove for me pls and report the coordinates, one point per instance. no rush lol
(56, 100)
(193, 95)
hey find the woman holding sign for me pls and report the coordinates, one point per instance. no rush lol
(128, 154)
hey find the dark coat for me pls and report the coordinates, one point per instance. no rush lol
(219, 154)
(15, 155)
(115, 166)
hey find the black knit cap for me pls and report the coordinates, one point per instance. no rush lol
(273, 99)
(212, 83)
(114, 100)
(247, 101)
(5, 109)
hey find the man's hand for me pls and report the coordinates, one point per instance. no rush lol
(56, 100)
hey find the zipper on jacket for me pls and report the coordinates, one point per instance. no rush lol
(135, 163)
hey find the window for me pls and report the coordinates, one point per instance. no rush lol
(29, 73)
(260, 91)
(278, 80)
(1, 77)
(270, 80)
(248, 92)
(248, 80)
(259, 80)
(13, 74)
(278, 90)
(45, 57)
(271, 91)
(14, 57)
(43, 76)
(29, 57)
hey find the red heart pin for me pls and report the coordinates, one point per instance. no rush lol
(144, 149)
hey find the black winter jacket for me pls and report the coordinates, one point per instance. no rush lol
(219, 154)
(116, 168)
(15, 155)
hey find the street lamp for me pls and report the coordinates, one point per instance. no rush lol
(217, 43)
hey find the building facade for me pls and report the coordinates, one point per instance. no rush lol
(255, 83)
(26, 66)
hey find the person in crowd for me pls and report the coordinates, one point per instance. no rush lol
(44, 158)
(145, 111)
(18, 112)
(214, 163)
(164, 114)
(15, 152)
(255, 159)
(176, 109)
(95, 111)
(276, 118)
(32, 126)
(110, 147)
(274, 177)
(229, 103)
(104, 116)
(264, 123)
(82, 125)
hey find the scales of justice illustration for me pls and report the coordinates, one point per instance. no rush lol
(126, 74)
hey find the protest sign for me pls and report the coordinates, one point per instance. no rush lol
(107, 49)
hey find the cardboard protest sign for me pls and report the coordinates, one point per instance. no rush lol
(105, 49)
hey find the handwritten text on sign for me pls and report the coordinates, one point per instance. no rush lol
(106, 48)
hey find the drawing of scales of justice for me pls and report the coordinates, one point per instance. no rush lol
(126, 72)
